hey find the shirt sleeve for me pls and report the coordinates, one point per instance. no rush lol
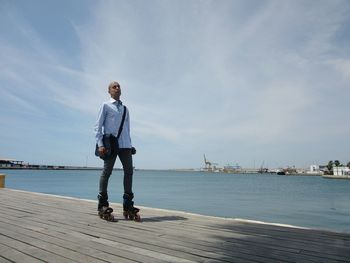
(99, 125)
(128, 124)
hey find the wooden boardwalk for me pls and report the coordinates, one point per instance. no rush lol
(45, 228)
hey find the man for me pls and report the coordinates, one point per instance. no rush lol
(113, 122)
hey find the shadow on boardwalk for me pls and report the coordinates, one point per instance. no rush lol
(255, 242)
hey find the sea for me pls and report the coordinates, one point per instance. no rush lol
(304, 201)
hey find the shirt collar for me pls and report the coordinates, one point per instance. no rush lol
(118, 102)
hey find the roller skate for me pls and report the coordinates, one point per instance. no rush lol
(104, 211)
(130, 212)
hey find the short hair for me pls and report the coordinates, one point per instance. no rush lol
(113, 83)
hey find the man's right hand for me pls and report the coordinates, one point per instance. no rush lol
(102, 150)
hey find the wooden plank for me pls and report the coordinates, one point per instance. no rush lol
(8, 254)
(57, 225)
(134, 240)
(32, 250)
(125, 238)
(128, 248)
(287, 233)
(47, 243)
(76, 231)
(72, 247)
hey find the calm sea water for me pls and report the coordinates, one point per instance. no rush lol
(307, 201)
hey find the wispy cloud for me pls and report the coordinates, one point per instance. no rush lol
(193, 73)
(254, 77)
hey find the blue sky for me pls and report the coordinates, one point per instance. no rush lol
(243, 82)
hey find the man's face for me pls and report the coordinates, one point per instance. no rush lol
(115, 91)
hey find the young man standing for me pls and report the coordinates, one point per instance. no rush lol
(113, 122)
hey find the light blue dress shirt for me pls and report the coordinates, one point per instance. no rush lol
(108, 122)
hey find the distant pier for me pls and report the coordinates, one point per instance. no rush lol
(15, 164)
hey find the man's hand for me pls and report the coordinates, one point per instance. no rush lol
(133, 150)
(102, 150)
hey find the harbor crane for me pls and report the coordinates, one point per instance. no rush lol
(209, 166)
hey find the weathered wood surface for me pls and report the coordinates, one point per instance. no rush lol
(44, 228)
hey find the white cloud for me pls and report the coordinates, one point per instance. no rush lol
(192, 72)
(343, 67)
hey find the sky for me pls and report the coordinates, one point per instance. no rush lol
(254, 83)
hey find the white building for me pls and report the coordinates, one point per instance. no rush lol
(341, 170)
(315, 170)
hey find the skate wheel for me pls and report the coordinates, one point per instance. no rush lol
(125, 214)
(138, 218)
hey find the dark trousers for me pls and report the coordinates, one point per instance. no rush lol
(125, 157)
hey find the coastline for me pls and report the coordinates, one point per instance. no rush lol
(49, 167)
(190, 170)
